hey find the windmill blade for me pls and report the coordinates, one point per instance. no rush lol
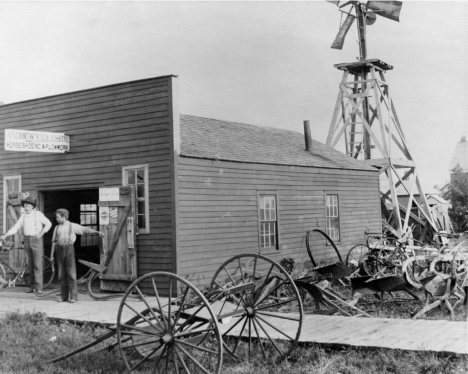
(334, 2)
(340, 37)
(387, 9)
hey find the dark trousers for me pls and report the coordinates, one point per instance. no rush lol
(67, 271)
(35, 250)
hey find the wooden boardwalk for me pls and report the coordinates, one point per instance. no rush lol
(417, 335)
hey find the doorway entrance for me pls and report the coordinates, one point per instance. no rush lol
(83, 208)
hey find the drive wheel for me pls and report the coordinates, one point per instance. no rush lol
(259, 306)
(176, 333)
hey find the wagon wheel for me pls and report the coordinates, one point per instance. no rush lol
(259, 306)
(3, 276)
(356, 255)
(48, 273)
(176, 335)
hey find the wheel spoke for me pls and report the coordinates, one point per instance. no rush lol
(144, 331)
(146, 358)
(271, 340)
(192, 358)
(278, 315)
(176, 320)
(159, 301)
(181, 360)
(240, 335)
(258, 336)
(127, 346)
(157, 328)
(169, 328)
(274, 327)
(191, 333)
(151, 309)
(238, 321)
(197, 347)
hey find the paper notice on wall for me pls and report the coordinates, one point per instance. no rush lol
(113, 214)
(103, 215)
(109, 194)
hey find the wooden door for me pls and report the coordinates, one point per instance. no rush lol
(14, 210)
(117, 220)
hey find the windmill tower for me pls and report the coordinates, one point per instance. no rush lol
(366, 121)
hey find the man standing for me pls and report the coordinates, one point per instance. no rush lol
(34, 225)
(62, 241)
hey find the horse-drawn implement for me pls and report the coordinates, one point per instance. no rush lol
(251, 308)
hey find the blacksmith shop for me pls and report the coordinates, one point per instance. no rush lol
(176, 192)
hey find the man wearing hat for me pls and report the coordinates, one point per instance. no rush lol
(34, 225)
(62, 242)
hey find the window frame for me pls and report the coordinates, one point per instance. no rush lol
(338, 205)
(6, 178)
(90, 237)
(146, 230)
(277, 247)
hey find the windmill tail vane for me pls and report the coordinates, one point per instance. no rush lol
(365, 12)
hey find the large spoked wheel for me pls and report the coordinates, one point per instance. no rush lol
(48, 271)
(3, 281)
(176, 333)
(259, 306)
(356, 255)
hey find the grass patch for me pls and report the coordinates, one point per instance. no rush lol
(25, 347)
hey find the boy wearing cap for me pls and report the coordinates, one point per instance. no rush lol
(62, 241)
(34, 225)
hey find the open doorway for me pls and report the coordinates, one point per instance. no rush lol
(83, 208)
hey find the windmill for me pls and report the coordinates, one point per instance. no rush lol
(365, 117)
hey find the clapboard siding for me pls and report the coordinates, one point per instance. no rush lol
(109, 127)
(218, 214)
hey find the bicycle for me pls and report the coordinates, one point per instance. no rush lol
(48, 270)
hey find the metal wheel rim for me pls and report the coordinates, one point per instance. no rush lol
(356, 254)
(255, 313)
(175, 341)
(3, 275)
(48, 271)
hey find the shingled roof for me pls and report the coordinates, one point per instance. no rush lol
(231, 141)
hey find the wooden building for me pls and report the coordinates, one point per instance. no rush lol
(198, 190)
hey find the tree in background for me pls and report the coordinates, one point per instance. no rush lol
(457, 193)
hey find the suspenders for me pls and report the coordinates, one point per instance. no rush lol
(69, 234)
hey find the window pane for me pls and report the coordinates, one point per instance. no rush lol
(141, 190)
(141, 176)
(131, 176)
(141, 221)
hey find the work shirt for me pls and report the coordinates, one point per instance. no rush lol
(32, 224)
(65, 234)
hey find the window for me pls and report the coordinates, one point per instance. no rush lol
(332, 217)
(11, 185)
(137, 176)
(268, 221)
(88, 218)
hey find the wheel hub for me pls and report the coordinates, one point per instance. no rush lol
(166, 339)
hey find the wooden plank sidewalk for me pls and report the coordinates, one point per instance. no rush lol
(416, 335)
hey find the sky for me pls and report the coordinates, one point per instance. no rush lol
(266, 63)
